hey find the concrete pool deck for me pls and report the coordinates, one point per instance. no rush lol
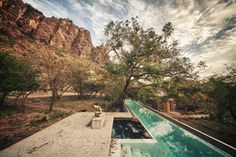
(70, 137)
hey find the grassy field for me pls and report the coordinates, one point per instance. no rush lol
(19, 122)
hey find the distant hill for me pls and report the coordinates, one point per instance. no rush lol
(24, 28)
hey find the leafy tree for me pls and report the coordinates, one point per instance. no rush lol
(221, 89)
(141, 55)
(57, 75)
(56, 71)
(231, 80)
(188, 93)
(113, 88)
(85, 83)
(80, 76)
(15, 76)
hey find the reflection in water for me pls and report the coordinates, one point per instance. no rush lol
(172, 141)
(162, 128)
(188, 134)
(128, 129)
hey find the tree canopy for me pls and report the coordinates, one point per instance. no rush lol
(16, 76)
(142, 55)
(221, 89)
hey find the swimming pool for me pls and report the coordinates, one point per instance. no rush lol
(127, 128)
(172, 140)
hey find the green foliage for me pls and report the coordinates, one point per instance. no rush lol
(79, 78)
(45, 112)
(187, 91)
(16, 76)
(113, 90)
(1, 44)
(87, 83)
(133, 93)
(56, 71)
(115, 70)
(38, 122)
(58, 115)
(168, 29)
(145, 93)
(215, 95)
(9, 42)
(221, 90)
(141, 55)
(10, 110)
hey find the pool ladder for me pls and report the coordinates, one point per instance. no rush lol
(129, 152)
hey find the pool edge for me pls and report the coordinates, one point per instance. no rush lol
(215, 142)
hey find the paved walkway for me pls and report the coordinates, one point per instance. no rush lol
(69, 137)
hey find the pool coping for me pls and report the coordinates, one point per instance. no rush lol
(68, 137)
(215, 142)
(141, 140)
(134, 115)
(117, 150)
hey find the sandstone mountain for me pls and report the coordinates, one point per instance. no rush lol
(22, 22)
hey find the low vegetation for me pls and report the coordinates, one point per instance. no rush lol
(214, 128)
(19, 122)
(146, 66)
(16, 77)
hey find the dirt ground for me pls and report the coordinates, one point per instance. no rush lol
(223, 132)
(19, 122)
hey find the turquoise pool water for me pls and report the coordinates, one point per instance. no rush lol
(172, 140)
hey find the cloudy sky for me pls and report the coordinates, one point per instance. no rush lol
(206, 29)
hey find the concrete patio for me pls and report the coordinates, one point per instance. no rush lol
(70, 137)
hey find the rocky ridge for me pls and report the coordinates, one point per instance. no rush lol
(21, 21)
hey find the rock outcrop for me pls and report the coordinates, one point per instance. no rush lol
(98, 55)
(22, 21)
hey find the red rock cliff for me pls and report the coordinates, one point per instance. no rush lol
(19, 20)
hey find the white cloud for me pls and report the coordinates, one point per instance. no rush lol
(49, 8)
(200, 26)
(96, 14)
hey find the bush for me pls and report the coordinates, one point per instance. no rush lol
(38, 121)
(58, 115)
(16, 76)
(112, 92)
(11, 110)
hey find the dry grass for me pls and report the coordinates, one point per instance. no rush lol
(17, 122)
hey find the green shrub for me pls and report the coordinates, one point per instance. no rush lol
(16, 76)
(38, 121)
(11, 110)
(58, 114)
(45, 111)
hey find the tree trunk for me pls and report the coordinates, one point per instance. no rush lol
(221, 110)
(123, 94)
(17, 97)
(53, 99)
(95, 94)
(2, 99)
(25, 98)
(63, 90)
(80, 94)
(58, 96)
